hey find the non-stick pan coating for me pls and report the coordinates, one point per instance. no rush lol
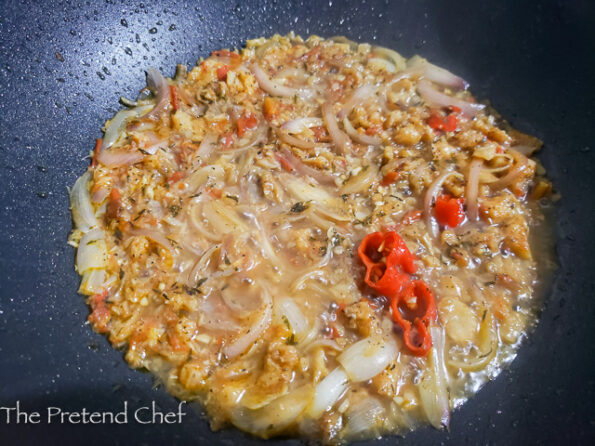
(63, 67)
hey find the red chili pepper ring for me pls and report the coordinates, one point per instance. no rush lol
(414, 309)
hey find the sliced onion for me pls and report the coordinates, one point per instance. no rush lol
(299, 125)
(362, 138)
(296, 142)
(100, 194)
(159, 87)
(153, 148)
(472, 189)
(80, 203)
(340, 139)
(364, 417)
(300, 167)
(358, 97)
(156, 236)
(271, 87)
(433, 387)
(295, 317)
(276, 416)
(376, 62)
(92, 251)
(399, 61)
(244, 341)
(438, 75)
(367, 358)
(119, 158)
(434, 97)
(115, 127)
(527, 150)
(361, 182)
(430, 198)
(201, 176)
(305, 191)
(522, 164)
(93, 282)
(328, 391)
(488, 348)
(207, 145)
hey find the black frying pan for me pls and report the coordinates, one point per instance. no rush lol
(63, 67)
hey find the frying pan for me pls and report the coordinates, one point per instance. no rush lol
(63, 67)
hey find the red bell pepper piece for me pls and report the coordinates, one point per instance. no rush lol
(413, 310)
(449, 211)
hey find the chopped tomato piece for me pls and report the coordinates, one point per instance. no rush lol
(390, 178)
(98, 143)
(225, 53)
(175, 101)
(175, 177)
(285, 164)
(227, 140)
(449, 211)
(246, 122)
(270, 108)
(100, 314)
(222, 72)
(411, 216)
(214, 192)
(114, 206)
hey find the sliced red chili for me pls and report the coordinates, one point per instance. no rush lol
(386, 257)
(413, 310)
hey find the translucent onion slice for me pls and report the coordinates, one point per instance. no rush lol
(245, 340)
(273, 88)
(115, 126)
(296, 142)
(399, 61)
(433, 387)
(472, 189)
(358, 97)
(434, 97)
(487, 342)
(378, 63)
(119, 158)
(273, 418)
(362, 138)
(298, 323)
(366, 416)
(80, 204)
(361, 182)
(516, 171)
(92, 251)
(93, 282)
(340, 139)
(299, 125)
(437, 74)
(158, 85)
(207, 145)
(156, 236)
(367, 358)
(328, 391)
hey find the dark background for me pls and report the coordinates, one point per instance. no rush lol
(63, 67)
